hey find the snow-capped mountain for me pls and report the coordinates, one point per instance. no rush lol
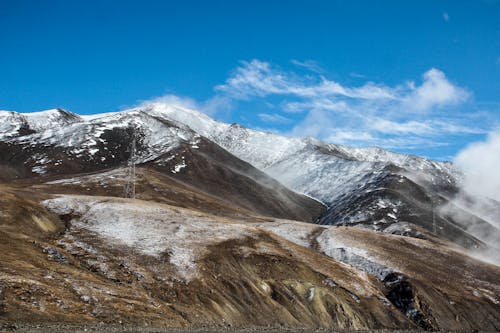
(369, 187)
(97, 143)
(14, 124)
(305, 165)
(217, 233)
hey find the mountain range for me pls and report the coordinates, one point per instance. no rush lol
(236, 227)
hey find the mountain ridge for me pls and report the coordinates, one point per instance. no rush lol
(331, 174)
(216, 234)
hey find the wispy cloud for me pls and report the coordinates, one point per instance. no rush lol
(403, 116)
(410, 115)
(259, 79)
(273, 118)
(311, 65)
(217, 104)
(357, 75)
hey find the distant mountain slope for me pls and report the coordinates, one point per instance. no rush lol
(102, 142)
(369, 187)
(14, 124)
(364, 187)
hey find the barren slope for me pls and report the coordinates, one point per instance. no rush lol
(92, 259)
(141, 262)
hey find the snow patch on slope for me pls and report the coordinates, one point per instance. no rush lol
(151, 229)
(298, 233)
(337, 247)
(329, 243)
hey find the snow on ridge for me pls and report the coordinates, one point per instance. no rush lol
(270, 143)
(12, 122)
(309, 166)
(261, 149)
(198, 121)
(43, 120)
(82, 137)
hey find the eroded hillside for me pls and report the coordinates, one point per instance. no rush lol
(77, 259)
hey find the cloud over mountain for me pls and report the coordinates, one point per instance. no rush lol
(407, 116)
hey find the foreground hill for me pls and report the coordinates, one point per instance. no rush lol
(91, 259)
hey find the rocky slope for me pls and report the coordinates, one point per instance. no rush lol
(216, 236)
(74, 258)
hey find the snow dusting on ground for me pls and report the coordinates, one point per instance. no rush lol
(295, 232)
(329, 243)
(183, 235)
(151, 229)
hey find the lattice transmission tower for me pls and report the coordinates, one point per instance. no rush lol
(130, 186)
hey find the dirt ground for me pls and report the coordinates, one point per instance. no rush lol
(59, 328)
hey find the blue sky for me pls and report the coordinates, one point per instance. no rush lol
(412, 76)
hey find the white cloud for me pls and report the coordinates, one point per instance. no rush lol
(174, 100)
(480, 162)
(410, 115)
(435, 91)
(317, 104)
(409, 127)
(258, 78)
(449, 127)
(216, 104)
(317, 123)
(368, 132)
(348, 137)
(368, 114)
(479, 193)
(273, 118)
(426, 127)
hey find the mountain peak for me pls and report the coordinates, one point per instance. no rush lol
(14, 124)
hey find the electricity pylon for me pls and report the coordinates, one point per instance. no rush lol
(130, 186)
(433, 218)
